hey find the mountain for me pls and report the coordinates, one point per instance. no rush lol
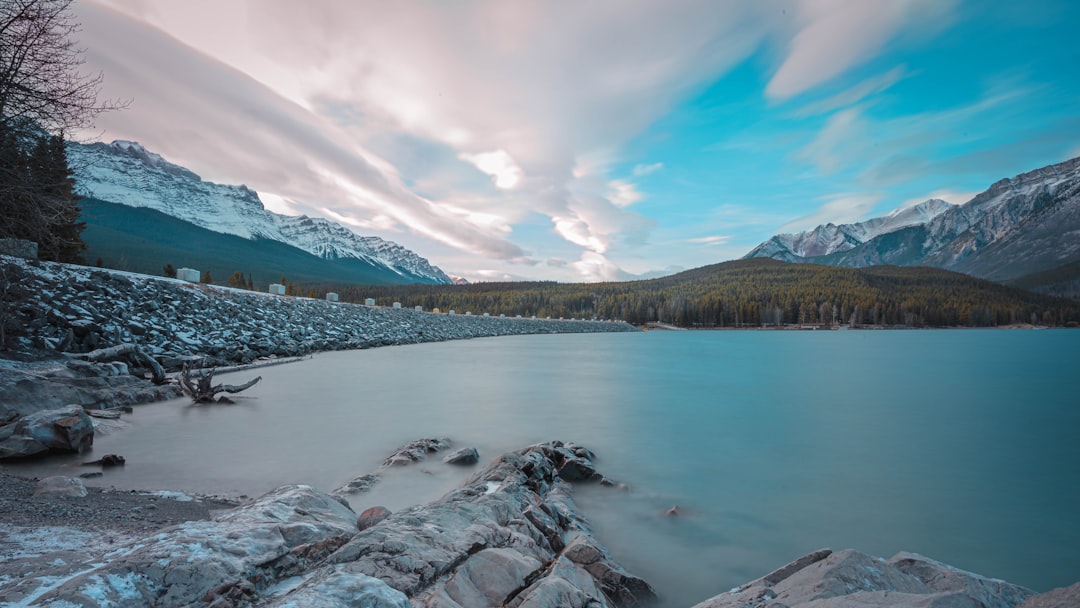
(831, 238)
(1023, 226)
(140, 239)
(128, 174)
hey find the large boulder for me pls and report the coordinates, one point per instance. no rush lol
(463, 457)
(66, 429)
(511, 536)
(230, 559)
(850, 579)
(1064, 597)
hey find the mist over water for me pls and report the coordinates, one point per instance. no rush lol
(960, 445)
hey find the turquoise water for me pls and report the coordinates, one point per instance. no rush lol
(960, 445)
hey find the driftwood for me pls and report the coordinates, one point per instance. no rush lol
(131, 351)
(201, 388)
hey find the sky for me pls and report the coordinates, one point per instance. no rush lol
(591, 141)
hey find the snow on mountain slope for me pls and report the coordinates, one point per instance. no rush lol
(831, 238)
(126, 173)
(1018, 226)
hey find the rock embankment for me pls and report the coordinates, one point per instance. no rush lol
(78, 309)
(511, 536)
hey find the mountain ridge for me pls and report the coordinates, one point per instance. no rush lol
(126, 173)
(1019, 226)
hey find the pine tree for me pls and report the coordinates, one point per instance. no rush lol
(169, 270)
(207, 278)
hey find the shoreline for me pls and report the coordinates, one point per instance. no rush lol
(514, 520)
(76, 309)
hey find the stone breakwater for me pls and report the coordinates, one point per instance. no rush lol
(77, 309)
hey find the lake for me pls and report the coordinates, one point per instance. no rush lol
(961, 445)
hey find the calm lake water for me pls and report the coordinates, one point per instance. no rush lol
(960, 445)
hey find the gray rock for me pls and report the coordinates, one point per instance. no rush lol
(516, 512)
(66, 429)
(336, 587)
(1064, 597)
(490, 577)
(416, 451)
(230, 558)
(464, 456)
(356, 485)
(60, 486)
(825, 579)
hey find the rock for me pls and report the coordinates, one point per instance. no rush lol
(108, 460)
(371, 516)
(850, 578)
(356, 485)
(336, 587)
(490, 577)
(230, 559)
(578, 469)
(415, 451)
(91, 474)
(66, 429)
(496, 541)
(60, 486)
(1064, 597)
(464, 456)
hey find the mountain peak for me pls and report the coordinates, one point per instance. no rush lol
(1018, 226)
(126, 173)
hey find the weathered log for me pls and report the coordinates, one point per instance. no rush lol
(201, 388)
(127, 350)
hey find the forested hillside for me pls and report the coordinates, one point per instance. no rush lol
(749, 293)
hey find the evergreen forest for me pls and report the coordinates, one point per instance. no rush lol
(751, 293)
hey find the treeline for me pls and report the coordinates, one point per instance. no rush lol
(37, 200)
(751, 293)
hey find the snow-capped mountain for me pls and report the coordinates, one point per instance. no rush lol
(831, 238)
(1019, 226)
(126, 173)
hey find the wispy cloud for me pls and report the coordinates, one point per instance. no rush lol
(836, 36)
(640, 170)
(855, 94)
(716, 239)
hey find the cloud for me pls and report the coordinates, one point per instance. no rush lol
(623, 193)
(888, 150)
(354, 107)
(229, 127)
(839, 209)
(855, 94)
(837, 35)
(447, 126)
(714, 240)
(845, 137)
(499, 165)
(640, 170)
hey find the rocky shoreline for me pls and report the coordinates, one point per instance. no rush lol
(76, 309)
(510, 536)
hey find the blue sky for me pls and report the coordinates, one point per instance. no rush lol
(592, 141)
